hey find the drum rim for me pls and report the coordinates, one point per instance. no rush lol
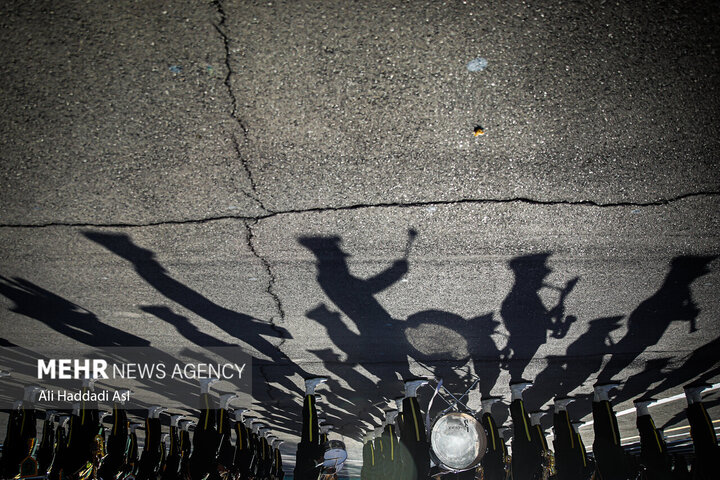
(482, 436)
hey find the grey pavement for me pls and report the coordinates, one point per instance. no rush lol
(246, 166)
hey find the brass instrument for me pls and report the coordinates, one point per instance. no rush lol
(548, 464)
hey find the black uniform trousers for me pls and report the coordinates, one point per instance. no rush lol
(707, 453)
(415, 447)
(242, 459)
(206, 440)
(116, 444)
(653, 450)
(47, 446)
(571, 460)
(227, 451)
(173, 456)
(526, 453)
(151, 455)
(310, 451)
(493, 463)
(610, 459)
(367, 472)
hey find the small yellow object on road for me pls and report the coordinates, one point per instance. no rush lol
(479, 131)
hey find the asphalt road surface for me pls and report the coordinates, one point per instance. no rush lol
(301, 179)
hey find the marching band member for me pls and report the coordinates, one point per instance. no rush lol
(242, 458)
(185, 447)
(571, 460)
(206, 439)
(171, 467)
(257, 465)
(266, 456)
(133, 462)
(368, 467)
(47, 443)
(538, 433)
(278, 471)
(226, 452)
(60, 447)
(117, 440)
(416, 449)
(151, 457)
(391, 455)
(504, 433)
(79, 457)
(527, 459)
(379, 469)
(308, 459)
(707, 452)
(653, 450)
(610, 459)
(493, 463)
(21, 433)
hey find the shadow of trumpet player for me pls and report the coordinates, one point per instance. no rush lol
(526, 318)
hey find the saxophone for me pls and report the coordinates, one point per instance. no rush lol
(548, 464)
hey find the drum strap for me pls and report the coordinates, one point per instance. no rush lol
(427, 415)
(492, 431)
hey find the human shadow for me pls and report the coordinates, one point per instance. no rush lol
(76, 323)
(184, 327)
(355, 297)
(361, 399)
(701, 366)
(245, 328)
(63, 316)
(582, 359)
(367, 399)
(442, 342)
(524, 315)
(681, 416)
(647, 324)
(446, 342)
(189, 331)
(639, 384)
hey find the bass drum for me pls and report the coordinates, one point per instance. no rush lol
(458, 441)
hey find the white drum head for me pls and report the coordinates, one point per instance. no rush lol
(458, 441)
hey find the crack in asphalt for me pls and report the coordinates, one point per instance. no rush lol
(268, 389)
(361, 206)
(249, 237)
(219, 27)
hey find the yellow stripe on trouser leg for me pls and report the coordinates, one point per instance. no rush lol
(417, 429)
(707, 420)
(207, 410)
(492, 433)
(657, 438)
(570, 429)
(612, 424)
(542, 438)
(392, 445)
(310, 400)
(524, 416)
